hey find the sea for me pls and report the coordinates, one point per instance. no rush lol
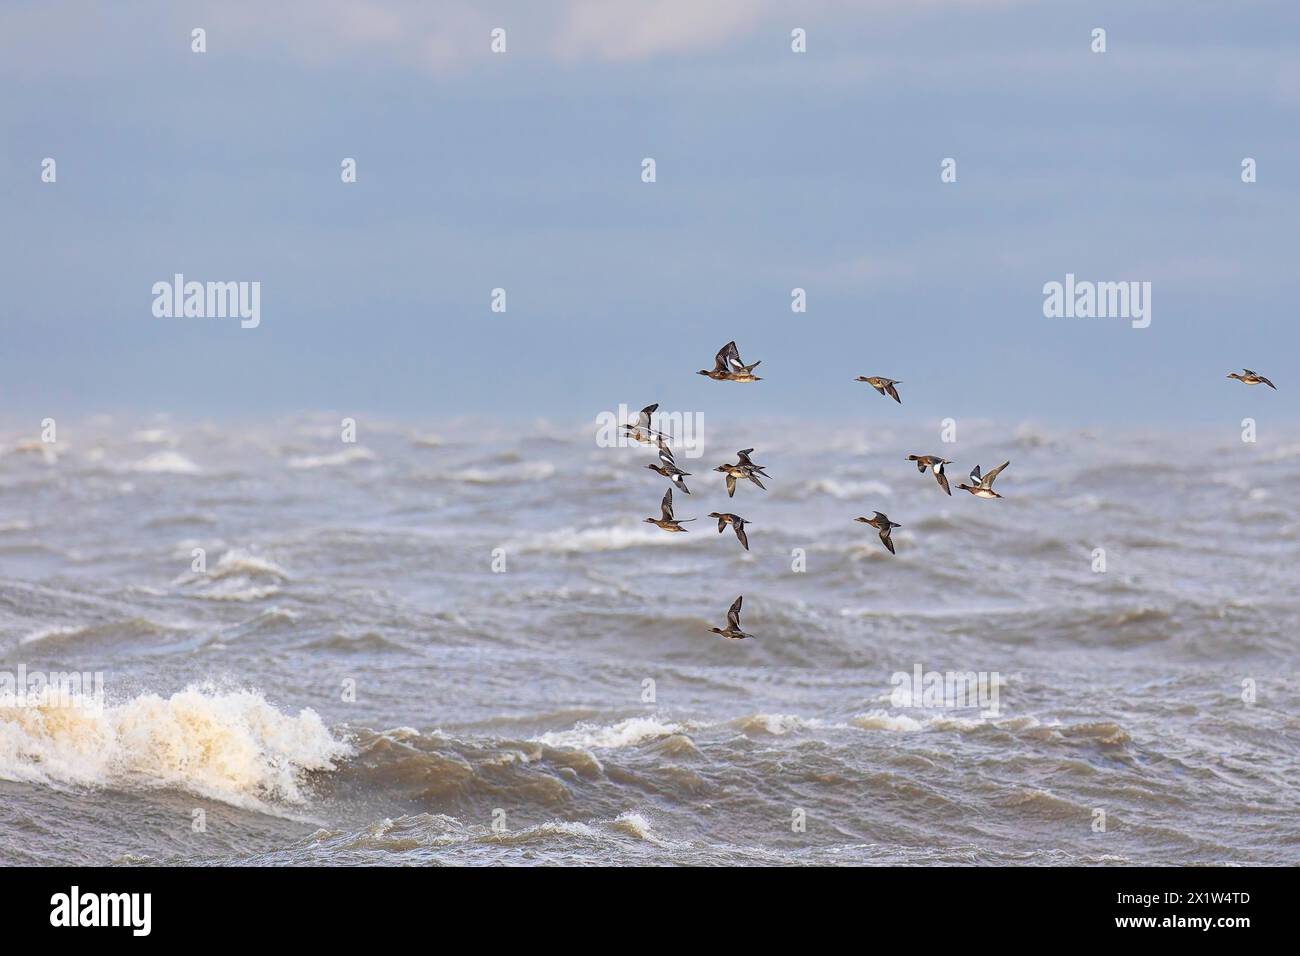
(407, 643)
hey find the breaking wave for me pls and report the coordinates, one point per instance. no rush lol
(229, 746)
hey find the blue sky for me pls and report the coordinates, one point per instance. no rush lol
(775, 170)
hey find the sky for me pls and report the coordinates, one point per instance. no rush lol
(775, 170)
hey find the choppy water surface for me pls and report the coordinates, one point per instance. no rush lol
(520, 694)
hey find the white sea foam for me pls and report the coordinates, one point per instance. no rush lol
(843, 489)
(236, 589)
(166, 463)
(779, 724)
(883, 720)
(239, 561)
(228, 746)
(612, 538)
(525, 471)
(903, 723)
(152, 436)
(52, 633)
(345, 457)
(625, 733)
(638, 826)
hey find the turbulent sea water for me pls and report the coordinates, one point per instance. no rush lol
(519, 698)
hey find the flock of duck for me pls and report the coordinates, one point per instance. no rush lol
(728, 367)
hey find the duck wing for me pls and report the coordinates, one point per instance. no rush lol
(988, 479)
(733, 615)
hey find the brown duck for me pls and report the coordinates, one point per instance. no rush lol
(727, 367)
(737, 523)
(738, 470)
(936, 465)
(668, 468)
(882, 524)
(732, 630)
(885, 386)
(983, 487)
(1252, 378)
(667, 522)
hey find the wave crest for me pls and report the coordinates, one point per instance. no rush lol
(228, 746)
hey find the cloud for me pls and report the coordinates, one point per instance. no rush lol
(59, 37)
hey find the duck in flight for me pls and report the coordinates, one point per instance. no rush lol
(1252, 378)
(885, 386)
(736, 521)
(667, 522)
(739, 470)
(727, 367)
(668, 468)
(882, 524)
(641, 430)
(936, 465)
(742, 458)
(733, 631)
(983, 487)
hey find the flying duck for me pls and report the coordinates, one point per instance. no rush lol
(935, 464)
(983, 487)
(885, 386)
(738, 471)
(882, 524)
(742, 458)
(1252, 378)
(733, 631)
(669, 468)
(667, 522)
(727, 367)
(642, 424)
(736, 521)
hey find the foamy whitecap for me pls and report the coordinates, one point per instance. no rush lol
(526, 471)
(902, 723)
(777, 724)
(345, 457)
(228, 746)
(613, 538)
(52, 633)
(638, 826)
(239, 561)
(236, 589)
(166, 463)
(152, 436)
(883, 720)
(625, 733)
(843, 489)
